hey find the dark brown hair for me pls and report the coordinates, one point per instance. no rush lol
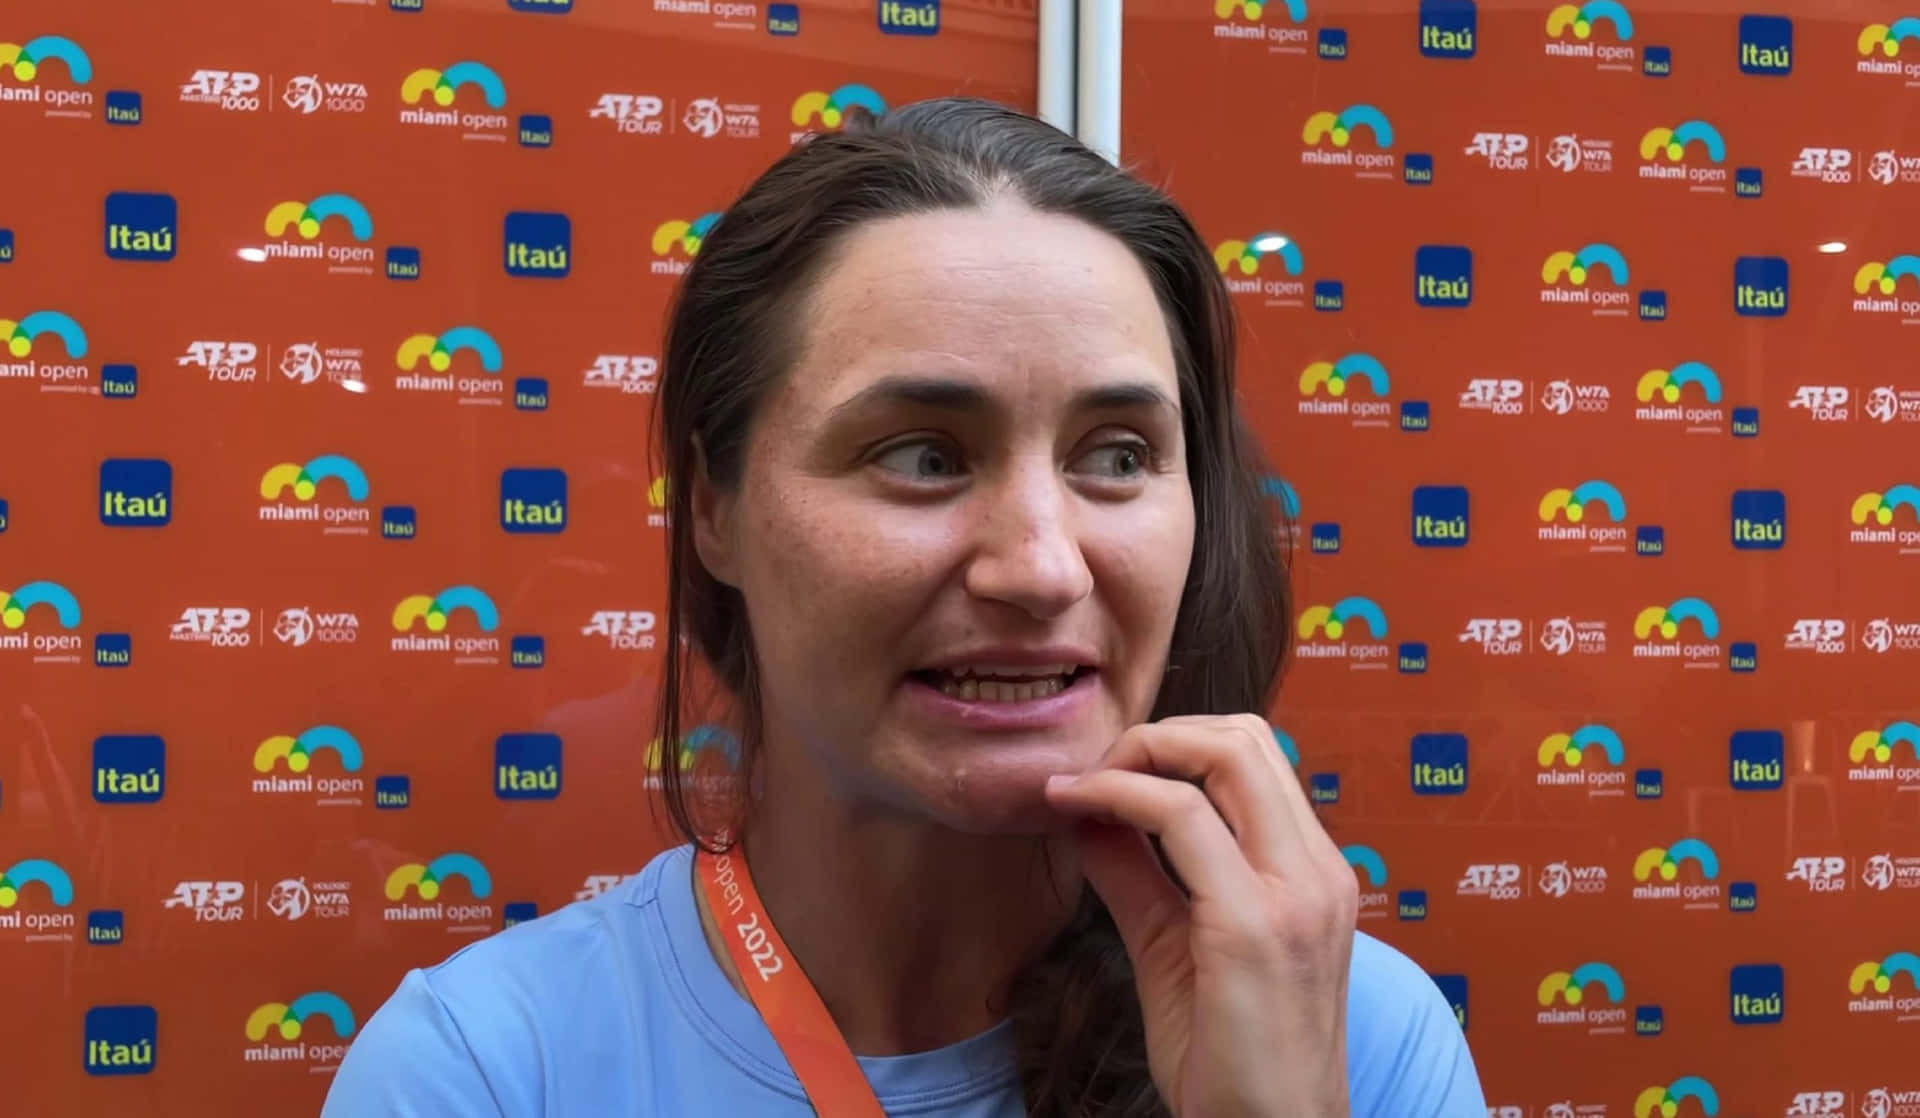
(733, 332)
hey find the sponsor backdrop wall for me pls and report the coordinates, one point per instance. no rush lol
(330, 551)
(1583, 335)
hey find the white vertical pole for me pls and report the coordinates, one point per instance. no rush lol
(1097, 105)
(1057, 42)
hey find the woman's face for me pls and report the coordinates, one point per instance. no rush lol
(965, 520)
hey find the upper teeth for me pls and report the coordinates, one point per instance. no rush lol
(1004, 671)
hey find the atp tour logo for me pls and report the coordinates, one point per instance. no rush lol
(283, 1033)
(1356, 386)
(1493, 881)
(1276, 24)
(623, 628)
(428, 881)
(1826, 873)
(27, 887)
(630, 375)
(451, 105)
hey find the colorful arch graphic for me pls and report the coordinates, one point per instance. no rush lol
(291, 1020)
(657, 492)
(298, 752)
(685, 235)
(1246, 254)
(1573, 748)
(1369, 862)
(438, 609)
(446, 84)
(1582, 18)
(27, 59)
(1666, 620)
(15, 607)
(1573, 502)
(1880, 744)
(439, 351)
(1881, 507)
(1880, 975)
(1334, 620)
(1881, 36)
(1666, 1101)
(1667, 860)
(1577, 266)
(24, 873)
(305, 480)
(1885, 275)
(1338, 128)
(308, 217)
(1335, 374)
(831, 108)
(1284, 492)
(1572, 986)
(19, 336)
(1254, 9)
(1287, 748)
(426, 879)
(700, 739)
(1674, 141)
(1669, 383)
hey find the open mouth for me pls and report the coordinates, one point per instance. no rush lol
(989, 684)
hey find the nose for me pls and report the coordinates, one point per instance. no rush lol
(1027, 550)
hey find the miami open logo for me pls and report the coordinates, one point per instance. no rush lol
(1887, 518)
(330, 490)
(1690, 152)
(818, 111)
(1688, 630)
(429, 882)
(1279, 285)
(1886, 986)
(471, 642)
(28, 65)
(1593, 512)
(297, 228)
(1371, 870)
(1357, 386)
(286, 764)
(28, 356)
(1877, 288)
(1358, 137)
(1275, 23)
(1595, 276)
(284, 1032)
(1573, 998)
(677, 242)
(1661, 874)
(708, 757)
(1600, 31)
(1687, 396)
(439, 99)
(1590, 757)
(441, 352)
(1881, 47)
(48, 605)
(25, 887)
(1352, 629)
(1688, 1095)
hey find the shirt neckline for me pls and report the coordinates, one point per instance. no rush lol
(966, 1070)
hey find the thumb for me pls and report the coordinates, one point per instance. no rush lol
(1122, 868)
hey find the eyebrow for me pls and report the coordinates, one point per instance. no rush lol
(967, 396)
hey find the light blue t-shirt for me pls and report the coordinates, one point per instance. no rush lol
(616, 1008)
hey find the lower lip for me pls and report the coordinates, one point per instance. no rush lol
(1031, 714)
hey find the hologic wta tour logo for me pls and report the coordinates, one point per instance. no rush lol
(677, 242)
(278, 1032)
(1689, 153)
(486, 385)
(334, 228)
(1592, 757)
(452, 106)
(1356, 386)
(1332, 139)
(340, 509)
(1276, 23)
(1872, 985)
(428, 881)
(1573, 998)
(51, 638)
(816, 111)
(56, 89)
(1698, 888)
(1877, 285)
(24, 339)
(1600, 32)
(1880, 46)
(286, 766)
(1269, 266)
(1687, 396)
(1671, 1100)
(23, 907)
(437, 612)
(1575, 515)
(1879, 519)
(1687, 631)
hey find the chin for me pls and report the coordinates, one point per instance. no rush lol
(993, 788)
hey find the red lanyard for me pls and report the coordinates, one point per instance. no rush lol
(787, 1001)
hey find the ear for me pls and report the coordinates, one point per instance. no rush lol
(713, 510)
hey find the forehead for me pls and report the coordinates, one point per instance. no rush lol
(991, 292)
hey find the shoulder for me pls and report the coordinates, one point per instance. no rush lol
(1406, 1052)
(476, 1032)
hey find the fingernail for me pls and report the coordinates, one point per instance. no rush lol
(1059, 780)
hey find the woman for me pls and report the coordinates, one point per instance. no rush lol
(972, 538)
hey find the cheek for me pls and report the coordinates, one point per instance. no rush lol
(1140, 566)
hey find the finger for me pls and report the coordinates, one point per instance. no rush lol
(1191, 832)
(1306, 820)
(1125, 872)
(1226, 759)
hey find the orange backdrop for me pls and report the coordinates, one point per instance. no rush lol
(331, 581)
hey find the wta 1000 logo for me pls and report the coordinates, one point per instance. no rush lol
(437, 614)
(1333, 139)
(428, 882)
(451, 107)
(281, 1032)
(1661, 874)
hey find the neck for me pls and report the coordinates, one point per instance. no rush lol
(912, 933)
